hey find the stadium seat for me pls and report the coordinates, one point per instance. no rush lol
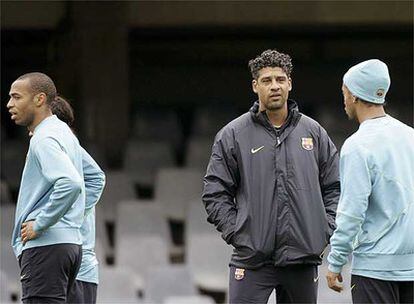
(140, 218)
(174, 188)
(7, 221)
(198, 152)
(144, 158)
(209, 120)
(116, 285)
(10, 266)
(206, 253)
(5, 195)
(5, 289)
(100, 252)
(119, 186)
(13, 156)
(196, 219)
(141, 253)
(165, 281)
(152, 123)
(189, 300)
(102, 235)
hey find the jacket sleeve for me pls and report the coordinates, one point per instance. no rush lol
(356, 189)
(220, 185)
(329, 177)
(94, 179)
(58, 169)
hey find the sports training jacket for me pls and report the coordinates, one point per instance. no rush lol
(273, 194)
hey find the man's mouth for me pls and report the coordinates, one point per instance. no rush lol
(275, 96)
(13, 115)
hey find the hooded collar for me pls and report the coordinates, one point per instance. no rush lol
(261, 117)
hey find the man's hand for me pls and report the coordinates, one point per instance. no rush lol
(332, 278)
(27, 232)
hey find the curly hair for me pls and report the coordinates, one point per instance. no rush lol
(271, 58)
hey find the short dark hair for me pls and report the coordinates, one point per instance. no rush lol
(63, 110)
(41, 83)
(271, 58)
(370, 104)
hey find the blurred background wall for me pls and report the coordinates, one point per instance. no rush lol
(112, 58)
(152, 82)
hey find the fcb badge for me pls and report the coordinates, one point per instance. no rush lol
(307, 143)
(239, 274)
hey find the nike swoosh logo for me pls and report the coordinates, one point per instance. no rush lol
(257, 149)
(316, 279)
(352, 287)
(23, 277)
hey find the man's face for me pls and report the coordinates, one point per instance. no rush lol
(21, 104)
(272, 87)
(348, 102)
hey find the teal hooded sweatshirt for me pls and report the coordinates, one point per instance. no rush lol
(375, 217)
(52, 189)
(94, 179)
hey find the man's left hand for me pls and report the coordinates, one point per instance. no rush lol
(333, 279)
(27, 232)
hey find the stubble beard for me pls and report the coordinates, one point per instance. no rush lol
(350, 114)
(275, 105)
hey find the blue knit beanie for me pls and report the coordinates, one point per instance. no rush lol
(368, 80)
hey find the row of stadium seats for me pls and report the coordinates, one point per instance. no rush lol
(143, 246)
(142, 160)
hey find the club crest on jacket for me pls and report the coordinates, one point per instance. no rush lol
(239, 274)
(307, 143)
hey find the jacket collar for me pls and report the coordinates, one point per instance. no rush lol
(262, 119)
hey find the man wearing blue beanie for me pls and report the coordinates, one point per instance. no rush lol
(375, 215)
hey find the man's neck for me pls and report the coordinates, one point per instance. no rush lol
(38, 119)
(366, 113)
(276, 117)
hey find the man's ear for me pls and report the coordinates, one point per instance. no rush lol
(354, 99)
(290, 84)
(40, 99)
(254, 85)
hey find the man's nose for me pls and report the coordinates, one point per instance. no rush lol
(275, 85)
(9, 103)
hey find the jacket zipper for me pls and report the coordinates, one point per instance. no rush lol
(277, 207)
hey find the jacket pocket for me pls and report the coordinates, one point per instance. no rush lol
(303, 170)
(309, 229)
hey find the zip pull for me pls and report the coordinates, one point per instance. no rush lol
(278, 140)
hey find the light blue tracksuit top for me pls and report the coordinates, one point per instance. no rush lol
(94, 184)
(52, 190)
(375, 216)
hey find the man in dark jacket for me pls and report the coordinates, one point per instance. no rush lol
(271, 189)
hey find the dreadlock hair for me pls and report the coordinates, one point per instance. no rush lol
(63, 110)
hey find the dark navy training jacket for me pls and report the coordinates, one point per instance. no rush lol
(273, 193)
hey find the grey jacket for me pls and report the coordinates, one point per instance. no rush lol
(273, 194)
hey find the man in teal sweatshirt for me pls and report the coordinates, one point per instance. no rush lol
(375, 217)
(84, 290)
(51, 203)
